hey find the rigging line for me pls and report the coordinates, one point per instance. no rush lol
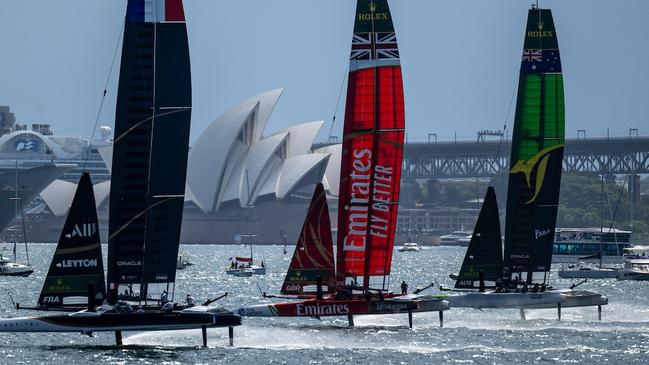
(103, 97)
(19, 201)
(617, 205)
(340, 93)
(509, 112)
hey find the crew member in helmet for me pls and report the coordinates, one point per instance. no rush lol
(190, 301)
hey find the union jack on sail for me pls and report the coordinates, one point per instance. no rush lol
(531, 55)
(375, 46)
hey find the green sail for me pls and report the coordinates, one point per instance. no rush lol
(536, 156)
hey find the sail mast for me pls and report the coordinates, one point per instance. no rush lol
(150, 150)
(536, 155)
(372, 149)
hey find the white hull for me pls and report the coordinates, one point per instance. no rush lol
(637, 275)
(254, 270)
(490, 299)
(590, 273)
(577, 298)
(9, 268)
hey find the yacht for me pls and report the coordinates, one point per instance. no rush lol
(12, 268)
(410, 247)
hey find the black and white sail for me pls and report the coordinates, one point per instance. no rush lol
(485, 251)
(149, 163)
(77, 262)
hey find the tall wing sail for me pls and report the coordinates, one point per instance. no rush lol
(77, 261)
(537, 154)
(313, 254)
(372, 149)
(150, 149)
(485, 252)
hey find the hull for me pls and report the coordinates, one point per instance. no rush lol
(576, 298)
(572, 259)
(14, 269)
(98, 322)
(22, 273)
(506, 300)
(334, 307)
(254, 270)
(588, 274)
(633, 275)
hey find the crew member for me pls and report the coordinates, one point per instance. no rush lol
(404, 288)
(190, 301)
(167, 307)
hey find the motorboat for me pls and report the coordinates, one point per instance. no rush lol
(410, 247)
(634, 269)
(183, 261)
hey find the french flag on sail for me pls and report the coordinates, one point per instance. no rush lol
(152, 11)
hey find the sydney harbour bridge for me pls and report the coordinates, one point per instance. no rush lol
(466, 159)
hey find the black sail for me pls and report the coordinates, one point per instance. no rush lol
(536, 156)
(485, 251)
(149, 165)
(77, 261)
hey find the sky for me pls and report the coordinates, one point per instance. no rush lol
(460, 61)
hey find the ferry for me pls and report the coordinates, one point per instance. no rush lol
(572, 243)
(453, 239)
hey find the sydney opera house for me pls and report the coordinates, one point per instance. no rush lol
(239, 176)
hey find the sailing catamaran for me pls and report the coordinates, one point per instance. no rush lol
(521, 277)
(369, 192)
(147, 191)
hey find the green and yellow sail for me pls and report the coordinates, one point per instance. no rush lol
(536, 156)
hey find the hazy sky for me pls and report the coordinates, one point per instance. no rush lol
(460, 61)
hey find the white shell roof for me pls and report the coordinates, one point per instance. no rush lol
(59, 194)
(302, 137)
(222, 157)
(295, 168)
(331, 180)
(208, 157)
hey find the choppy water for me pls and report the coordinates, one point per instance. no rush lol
(469, 336)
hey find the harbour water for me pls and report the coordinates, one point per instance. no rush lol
(469, 336)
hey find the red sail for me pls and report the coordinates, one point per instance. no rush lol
(372, 149)
(313, 254)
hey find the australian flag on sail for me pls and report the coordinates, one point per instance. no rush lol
(536, 61)
(151, 11)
